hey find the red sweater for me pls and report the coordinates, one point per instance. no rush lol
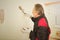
(41, 28)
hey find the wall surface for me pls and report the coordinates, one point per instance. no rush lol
(15, 21)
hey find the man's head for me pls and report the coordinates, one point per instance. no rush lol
(37, 10)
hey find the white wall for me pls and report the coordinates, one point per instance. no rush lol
(14, 20)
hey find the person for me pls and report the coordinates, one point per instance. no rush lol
(41, 30)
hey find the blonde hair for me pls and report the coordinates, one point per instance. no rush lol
(38, 7)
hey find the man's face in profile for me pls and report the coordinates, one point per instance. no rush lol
(34, 12)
